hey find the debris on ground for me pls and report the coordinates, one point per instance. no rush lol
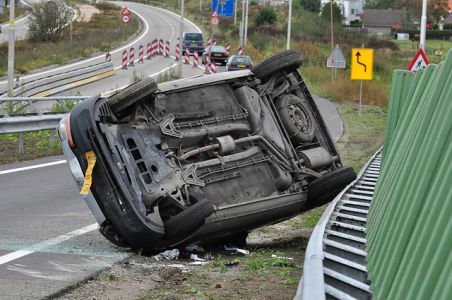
(168, 255)
(281, 257)
(235, 250)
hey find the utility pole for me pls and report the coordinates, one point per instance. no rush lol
(289, 25)
(181, 38)
(242, 25)
(332, 37)
(423, 24)
(200, 7)
(235, 11)
(11, 49)
(1, 7)
(245, 38)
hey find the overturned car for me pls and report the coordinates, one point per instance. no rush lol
(203, 159)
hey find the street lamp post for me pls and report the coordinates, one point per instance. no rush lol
(11, 49)
(289, 25)
(246, 23)
(423, 24)
(181, 38)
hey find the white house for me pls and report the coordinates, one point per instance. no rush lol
(350, 9)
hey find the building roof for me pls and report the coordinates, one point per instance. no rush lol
(448, 20)
(383, 17)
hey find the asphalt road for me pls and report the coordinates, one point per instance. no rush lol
(48, 237)
(21, 25)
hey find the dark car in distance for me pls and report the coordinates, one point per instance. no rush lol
(204, 159)
(239, 62)
(194, 41)
(218, 55)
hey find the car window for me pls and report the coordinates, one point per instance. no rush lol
(242, 60)
(193, 36)
(218, 49)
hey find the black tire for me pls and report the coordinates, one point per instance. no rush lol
(322, 190)
(121, 101)
(284, 62)
(110, 233)
(188, 221)
(297, 118)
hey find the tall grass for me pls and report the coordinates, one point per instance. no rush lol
(103, 32)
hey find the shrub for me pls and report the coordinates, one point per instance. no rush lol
(265, 16)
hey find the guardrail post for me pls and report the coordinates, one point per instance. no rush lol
(21, 143)
(52, 138)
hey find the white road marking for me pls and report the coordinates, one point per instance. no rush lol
(53, 163)
(93, 58)
(42, 246)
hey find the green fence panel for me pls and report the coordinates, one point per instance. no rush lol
(409, 230)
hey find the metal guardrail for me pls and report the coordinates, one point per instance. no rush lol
(39, 85)
(335, 259)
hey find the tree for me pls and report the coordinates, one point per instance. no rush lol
(265, 16)
(326, 12)
(47, 21)
(310, 5)
(438, 9)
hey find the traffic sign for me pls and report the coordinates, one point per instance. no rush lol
(419, 61)
(125, 19)
(224, 8)
(126, 11)
(215, 18)
(336, 59)
(362, 64)
(126, 15)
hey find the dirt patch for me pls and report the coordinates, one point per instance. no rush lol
(258, 275)
(86, 12)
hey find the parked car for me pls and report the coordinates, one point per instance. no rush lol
(217, 55)
(239, 62)
(203, 159)
(194, 41)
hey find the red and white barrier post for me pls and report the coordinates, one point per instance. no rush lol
(195, 59)
(141, 54)
(124, 59)
(154, 47)
(228, 49)
(187, 55)
(240, 52)
(213, 68)
(161, 46)
(149, 51)
(177, 52)
(132, 56)
(207, 68)
(167, 49)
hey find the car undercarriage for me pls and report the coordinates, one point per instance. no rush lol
(209, 157)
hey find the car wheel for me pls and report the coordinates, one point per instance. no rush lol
(296, 117)
(110, 233)
(188, 221)
(124, 99)
(322, 190)
(287, 61)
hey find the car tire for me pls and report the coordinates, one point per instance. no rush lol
(124, 99)
(297, 118)
(284, 62)
(188, 221)
(324, 189)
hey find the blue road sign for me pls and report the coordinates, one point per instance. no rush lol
(224, 8)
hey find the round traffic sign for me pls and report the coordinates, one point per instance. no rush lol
(125, 19)
(215, 18)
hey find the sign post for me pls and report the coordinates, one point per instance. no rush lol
(362, 68)
(336, 60)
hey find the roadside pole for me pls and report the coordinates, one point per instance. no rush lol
(423, 25)
(361, 91)
(235, 11)
(246, 24)
(1, 7)
(242, 25)
(289, 24)
(11, 49)
(181, 37)
(332, 37)
(200, 5)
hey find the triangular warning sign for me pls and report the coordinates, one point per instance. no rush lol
(419, 61)
(126, 12)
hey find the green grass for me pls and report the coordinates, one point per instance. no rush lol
(103, 32)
